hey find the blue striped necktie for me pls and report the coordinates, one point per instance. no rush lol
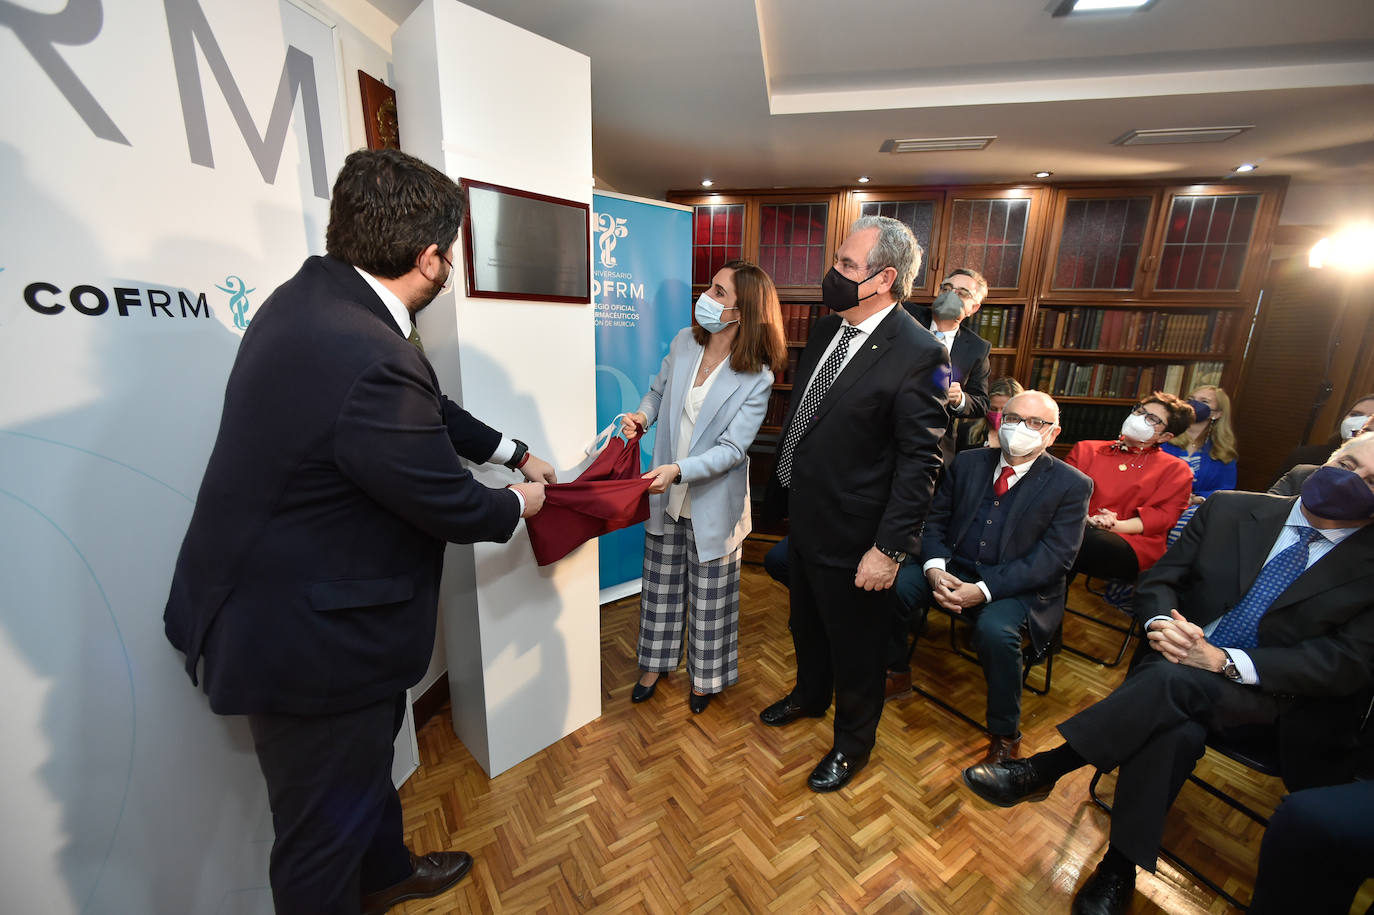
(1239, 628)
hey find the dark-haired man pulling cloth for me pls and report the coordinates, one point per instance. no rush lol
(308, 580)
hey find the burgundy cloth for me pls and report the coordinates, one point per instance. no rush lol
(607, 496)
(999, 489)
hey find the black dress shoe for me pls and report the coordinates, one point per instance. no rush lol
(785, 711)
(433, 874)
(698, 703)
(1008, 783)
(835, 770)
(1105, 893)
(642, 692)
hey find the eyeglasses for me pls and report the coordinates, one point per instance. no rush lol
(1034, 423)
(1139, 410)
(449, 280)
(968, 295)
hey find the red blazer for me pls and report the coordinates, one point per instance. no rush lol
(1156, 491)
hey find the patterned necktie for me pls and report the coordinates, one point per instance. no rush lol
(825, 377)
(415, 338)
(999, 489)
(1240, 627)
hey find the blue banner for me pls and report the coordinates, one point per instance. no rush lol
(642, 287)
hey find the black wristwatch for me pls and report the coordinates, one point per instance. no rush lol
(1229, 670)
(518, 458)
(897, 556)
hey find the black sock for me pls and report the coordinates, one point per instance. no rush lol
(1114, 862)
(1058, 762)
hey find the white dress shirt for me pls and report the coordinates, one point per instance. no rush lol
(865, 328)
(947, 338)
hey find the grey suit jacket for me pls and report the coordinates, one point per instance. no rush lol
(716, 467)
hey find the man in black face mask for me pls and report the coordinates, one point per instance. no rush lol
(1262, 630)
(309, 578)
(857, 459)
(960, 296)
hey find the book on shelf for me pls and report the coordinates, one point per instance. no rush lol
(1071, 378)
(1126, 330)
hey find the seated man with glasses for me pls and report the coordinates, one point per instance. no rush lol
(998, 543)
(1139, 491)
(1261, 630)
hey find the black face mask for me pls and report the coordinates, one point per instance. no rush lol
(840, 293)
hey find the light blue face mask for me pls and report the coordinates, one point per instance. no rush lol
(708, 312)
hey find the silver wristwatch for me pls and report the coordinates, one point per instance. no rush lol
(1229, 670)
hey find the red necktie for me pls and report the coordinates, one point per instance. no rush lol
(999, 489)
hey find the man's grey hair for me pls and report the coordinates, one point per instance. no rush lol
(1046, 400)
(895, 247)
(1359, 441)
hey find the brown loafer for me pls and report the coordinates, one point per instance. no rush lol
(1001, 749)
(433, 874)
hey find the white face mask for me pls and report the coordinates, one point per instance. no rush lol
(1352, 425)
(1137, 428)
(1018, 439)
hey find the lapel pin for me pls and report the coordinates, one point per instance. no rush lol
(875, 346)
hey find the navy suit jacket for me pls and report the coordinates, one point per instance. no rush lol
(1040, 535)
(968, 358)
(308, 579)
(1316, 641)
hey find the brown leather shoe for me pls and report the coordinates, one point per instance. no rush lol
(433, 874)
(1003, 748)
(898, 684)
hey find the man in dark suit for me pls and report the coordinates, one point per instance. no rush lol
(857, 456)
(998, 544)
(308, 580)
(1262, 629)
(960, 296)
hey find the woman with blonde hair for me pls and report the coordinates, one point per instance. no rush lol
(710, 396)
(1209, 447)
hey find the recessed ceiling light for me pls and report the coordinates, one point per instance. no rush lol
(1069, 7)
(864, 179)
(706, 182)
(1043, 174)
(1245, 167)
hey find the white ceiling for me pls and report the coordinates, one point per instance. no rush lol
(785, 93)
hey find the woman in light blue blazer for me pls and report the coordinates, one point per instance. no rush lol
(711, 394)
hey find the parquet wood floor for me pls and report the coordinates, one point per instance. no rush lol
(653, 809)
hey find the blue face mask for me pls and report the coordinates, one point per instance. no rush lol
(708, 312)
(1201, 412)
(1337, 494)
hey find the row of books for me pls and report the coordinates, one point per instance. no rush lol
(1067, 378)
(1090, 421)
(996, 325)
(796, 321)
(777, 408)
(1142, 330)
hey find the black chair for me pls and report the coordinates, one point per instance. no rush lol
(1030, 658)
(1262, 758)
(1116, 594)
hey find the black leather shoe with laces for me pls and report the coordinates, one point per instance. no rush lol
(1105, 893)
(1008, 783)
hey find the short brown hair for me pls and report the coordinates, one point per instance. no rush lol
(1181, 414)
(387, 208)
(760, 342)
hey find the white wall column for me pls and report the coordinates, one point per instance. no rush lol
(482, 99)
